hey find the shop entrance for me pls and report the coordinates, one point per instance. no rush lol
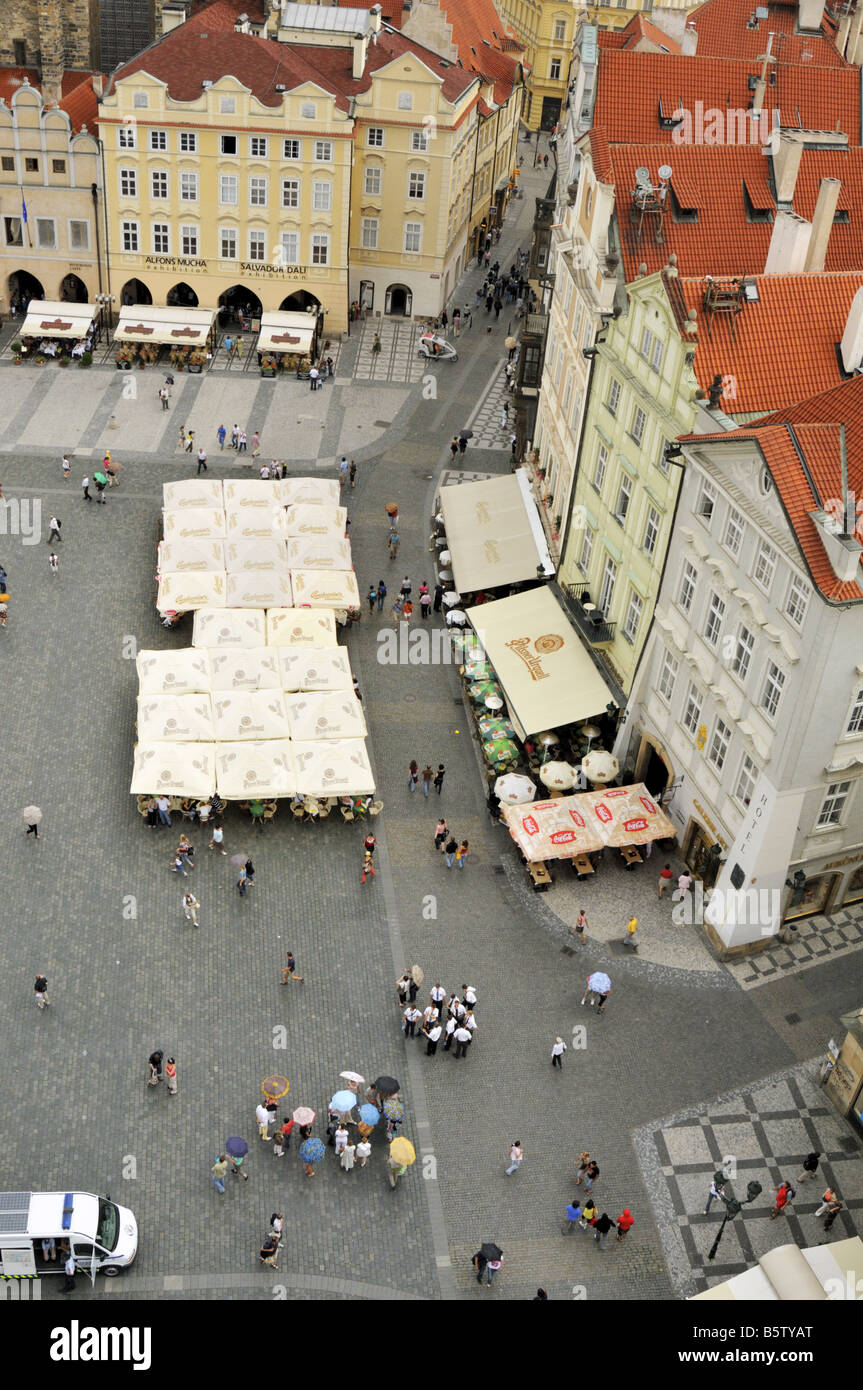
(399, 301)
(699, 855)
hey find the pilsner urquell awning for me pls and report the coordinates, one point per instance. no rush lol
(282, 331)
(547, 676)
(171, 325)
(53, 318)
(494, 534)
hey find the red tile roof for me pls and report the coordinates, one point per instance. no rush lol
(77, 97)
(478, 33)
(391, 9)
(630, 85)
(603, 165)
(722, 33)
(638, 28)
(724, 241)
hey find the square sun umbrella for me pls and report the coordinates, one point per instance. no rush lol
(500, 750)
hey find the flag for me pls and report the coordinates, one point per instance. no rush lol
(23, 210)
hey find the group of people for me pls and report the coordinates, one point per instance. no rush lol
(428, 777)
(586, 1214)
(402, 605)
(448, 1017)
(455, 853)
(499, 288)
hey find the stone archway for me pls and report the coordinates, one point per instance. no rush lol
(399, 301)
(73, 290)
(238, 303)
(182, 296)
(135, 292)
(22, 288)
(300, 302)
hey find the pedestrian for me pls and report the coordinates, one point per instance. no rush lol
(684, 883)
(504, 415)
(154, 1062)
(715, 1194)
(449, 1030)
(413, 775)
(450, 851)
(171, 1076)
(411, 1018)
(427, 776)
(589, 1214)
(372, 597)
(413, 990)
(67, 468)
(396, 609)
(186, 852)
(557, 1052)
(313, 378)
(784, 1194)
(462, 443)
(828, 1197)
(53, 563)
(545, 161)
(270, 1252)
(286, 1131)
(438, 597)
(177, 865)
(235, 437)
(54, 529)
(516, 1157)
(352, 473)
(407, 610)
(382, 593)
(625, 1222)
(498, 305)
(439, 776)
(219, 1171)
(402, 987)
(202, 462)
(262, 1115)
(572, 1215)
(463, 1038)
(163, 396)
(100, 492)
(242, 881)
(69, 1270)
(221, 434)
(492, 1267)
(190, 441)
(340, 1138)
(256, 444)
(405, 589)
(433, 1035)
(453, 448)
(461, 854)
(580, 927)
(601, 1229)
(583, 1160)
(468, 316)
(631, 933)
(376, 345)
(591, 1175)
(217, 841)
(833, 1209)
(250, 873)
(290, 970)
(440, 834)
(431, 1014)
(85, 488)
(278, 1144)
(242, 443)
(190, 908)
(666, 874)
(810, 1166)
(348, 1155)
(40, 992)
(368, 866)
(479, 1263)
(364, 1150)
(33, 830)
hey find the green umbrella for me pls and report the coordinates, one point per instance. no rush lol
(100, 478)
(480, 689)
(500, 750)
(492, 726)
(479, 670)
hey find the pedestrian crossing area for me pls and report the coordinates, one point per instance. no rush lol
(490, 429)
(398, 359)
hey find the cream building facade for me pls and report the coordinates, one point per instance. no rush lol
(546, 28)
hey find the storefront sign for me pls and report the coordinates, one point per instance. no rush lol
(176, 262)
(264, 268)
(840, 863)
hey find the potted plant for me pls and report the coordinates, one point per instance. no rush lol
(86, 359)
(40, 359)
(196, 362)
(124, 360)
(64, 361)
(268, 365)
(16, 347)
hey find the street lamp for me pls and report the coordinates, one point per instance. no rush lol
(732, 1206)
(105, 301)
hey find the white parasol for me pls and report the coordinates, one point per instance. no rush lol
(600, 766)
(513, 789)
(557, 776)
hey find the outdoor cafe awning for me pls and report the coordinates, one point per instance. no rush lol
(179, 327)
(547, 676)
(494, 534)
(52, 318)
(287, 332)
(586, 822)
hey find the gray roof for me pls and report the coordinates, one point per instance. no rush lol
(326, 18)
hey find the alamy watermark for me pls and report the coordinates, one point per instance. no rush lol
(723, 126)
(745, 907)
(22, 516)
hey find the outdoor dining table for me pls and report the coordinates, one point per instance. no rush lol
(631, 857)
(445, 576)
(451, 598)
(583, 865)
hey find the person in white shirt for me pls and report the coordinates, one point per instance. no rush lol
(469, 1022)
(469, 995)
(262, 1115)
(341, 1138)
(217, 840)
(343, 471)
(276, 1223)
(433, 1035)
(557, 1053)
(438, 995)
(462, 1041)
(430, 1015)
(364, 1150)
(516, 1156)
(190, 908)
(412, 1017)
(450, 1029)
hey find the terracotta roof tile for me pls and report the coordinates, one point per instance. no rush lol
(721, 29)
(600, 156)
(478, 33)
(77, 97)
(637, 28)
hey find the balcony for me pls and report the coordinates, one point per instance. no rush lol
(593, 625)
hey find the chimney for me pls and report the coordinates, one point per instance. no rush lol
(174, 13)
(98, 83)
(787, 153)
(842, 32)
(789, 243)
(851, 346)
(761, 83)
(375, 18)
(809, 15)
(689, 41)
(758, 96)
(822, 222)
(52, 83)
(855, 42)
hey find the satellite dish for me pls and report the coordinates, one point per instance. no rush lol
(642, 175)
(665, 172)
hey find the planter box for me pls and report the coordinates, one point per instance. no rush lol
(268, 371)
(195, 370)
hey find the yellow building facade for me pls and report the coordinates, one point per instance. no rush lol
(547, 30)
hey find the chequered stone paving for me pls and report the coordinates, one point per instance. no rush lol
(488, 431)
(816, 940)
(398, 359)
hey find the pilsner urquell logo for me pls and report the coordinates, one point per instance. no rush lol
(520, 646)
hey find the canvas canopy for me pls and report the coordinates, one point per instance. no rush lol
(251, 668)
(325, 588)
(300, 627)
(53, 318)
(191, 556)
(182, 593)
(229, 627)
(547, 676)
(256, 556)
(282, 331)
(192, 492)
(255, 523)
(242, 493)
(183, 672)
(319, 553)
(335, 767)
(194, 523)
(302, 668)
(494, 534)
(293, 490)
(586, 822)
(172, 324)
(325, 714)
(263, 768)
(259, 590)
(306, 519)
(174, 769)
(250, 714)
(175, 718)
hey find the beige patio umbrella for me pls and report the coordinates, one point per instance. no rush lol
(325, 714)
(182, 672)
(191, 555)
(333, 767)
(319, 553)
(557, 776)
(249, 668)
(174, 769)
(250, 715)
(258, 556)
(184, 593)
(175, 719)
(261, 768)
(325, 589)
(300, 627)
(193, 523)
(306, 519)
(304, 668)
(190, 493)
(229, 627)
(250, 494)
(313, 490)
(600, 766)
(250, 590)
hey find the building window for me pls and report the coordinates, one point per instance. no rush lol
(189, 240)
(746, 780)
(188, 188)
(833, 805)
(188, 142)
(375, 137)
(692, 709)
(258, 146)
(229, 190)
(308, 111)
(624, 497)
(639, 420)
(127, 137)
(773, 683)
(12, 231)
(715, 614)
(633, 616)
(668, 677)
(554, 70)
(734, 528)
(606, 592)
(706, 502)
(559, 30)
(373, 180)
(688, 581)
(613, 397)
(369, 239)
(228, 144)
(662, 462)
(855, 719)
(129, 232)
(765, 566)
(79, 235)
(7, 163)
(158, 184)
(586, 550)
(258, 192)
(651, 531)
(128, 183)
(320, 249)
(291, 149)
(413, 236)
(161, 243)
(718, 750)
(797, 601)
(290, 193)
(141, 100)
(405, 101)
(419, 141)
(46, 233)
(227, 106)
(416, 184)
(228, 243)
(257, 246)
(743, 649)
(158, 139)
(58, 166)
(322, 195)
(290, 248)
(323, 151)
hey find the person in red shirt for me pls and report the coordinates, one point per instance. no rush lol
(287, 1130)
(625, 1222)
(784, 1193)
(665, 878)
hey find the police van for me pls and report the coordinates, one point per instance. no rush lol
(102, 1236)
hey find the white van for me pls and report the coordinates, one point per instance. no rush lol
(102, 1236)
